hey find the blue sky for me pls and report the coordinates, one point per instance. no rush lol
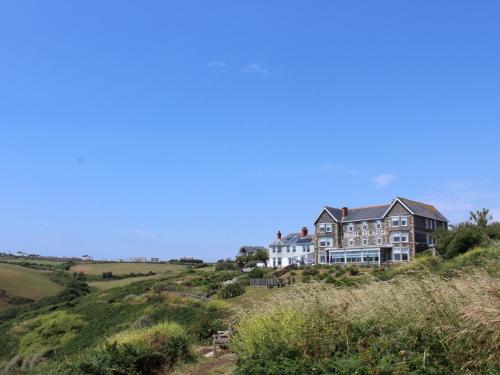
(190, 128)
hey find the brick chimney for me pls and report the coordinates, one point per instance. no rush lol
(344, 212)
(303, 232)
(278, 235)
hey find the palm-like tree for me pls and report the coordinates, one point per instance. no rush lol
(481, 217)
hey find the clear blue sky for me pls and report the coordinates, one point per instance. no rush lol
(189, 128)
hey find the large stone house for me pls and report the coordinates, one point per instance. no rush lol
(376, 234)
(295, 248)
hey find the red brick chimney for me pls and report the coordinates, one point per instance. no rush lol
(344, 212)
(278, 235)
(303, 232)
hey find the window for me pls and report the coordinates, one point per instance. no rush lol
(279, 249)
(287, 249)
(293, 249)
(430, 224)
(404, 237)
(351, 228)
(322, 228)
(351, 242)
(379, 241)
(365, 226)
(353, 256)
(329, 228)
(365, 242)
(370, 256)
(396, 254)
(395, 237)
(405, 253)
(308, 248)
(337, 257)
(431, 240)
(379, 225)
(279, 262)
(274, 249)
(404, 221)
(274, 262)
(395, 221)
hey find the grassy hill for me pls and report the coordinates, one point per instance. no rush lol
(26, 282)
(427, 317)
(126, 268)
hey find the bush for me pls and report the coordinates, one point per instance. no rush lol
(139, 351)
(353, 270)
(47, 332)
(256, 273)
(310, 272)
(330, 280)
(232, 290)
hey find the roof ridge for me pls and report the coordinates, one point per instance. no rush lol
(372, 206)
(421, 203)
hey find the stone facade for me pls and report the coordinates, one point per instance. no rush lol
(396, 231)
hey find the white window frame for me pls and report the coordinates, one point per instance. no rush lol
(365, 242)
(396, 234)
(405, 219)
(329, 228)
(395, 218)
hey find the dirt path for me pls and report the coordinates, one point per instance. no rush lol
(223, 360)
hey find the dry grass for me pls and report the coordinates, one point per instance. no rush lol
(454, 321)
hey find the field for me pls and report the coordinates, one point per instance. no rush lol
(105, 285)
(26, 282)
(125, 268)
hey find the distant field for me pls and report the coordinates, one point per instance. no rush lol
(105, 285)
(26, 282)
(30, 260)
(124, 268)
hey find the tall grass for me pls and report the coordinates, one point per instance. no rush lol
(418, 324)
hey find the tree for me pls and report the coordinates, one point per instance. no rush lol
(481, 217)
(261, 256)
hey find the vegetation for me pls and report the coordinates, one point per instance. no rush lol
(416, 323)
(232, 290)
(19, 282)
(126, 268)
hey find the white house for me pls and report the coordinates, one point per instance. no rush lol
(295, 248)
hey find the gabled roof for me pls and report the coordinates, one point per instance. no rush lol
(380, 211)
(335, 213)
(422, 209)
(251, 249)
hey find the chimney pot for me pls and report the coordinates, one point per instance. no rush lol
(344, 212)
(304, 232)
(278, 235)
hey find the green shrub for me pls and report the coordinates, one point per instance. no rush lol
(48, 332)
(232, 290)
(256, 273)
(330, 279)
(310, 272)
(139, 351)
(306, 278)
(353, 270)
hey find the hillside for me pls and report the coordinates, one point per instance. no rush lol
(126, 268)
(429, 316)
(24, 282)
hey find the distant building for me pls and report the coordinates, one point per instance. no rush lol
(251, 250)
(154, 260)
(86, 257)
(138, 260)
(294, 248)
(21, 254)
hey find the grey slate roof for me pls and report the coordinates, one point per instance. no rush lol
(422, 209)
(365, 213)
(377, 212)
(294, 239)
